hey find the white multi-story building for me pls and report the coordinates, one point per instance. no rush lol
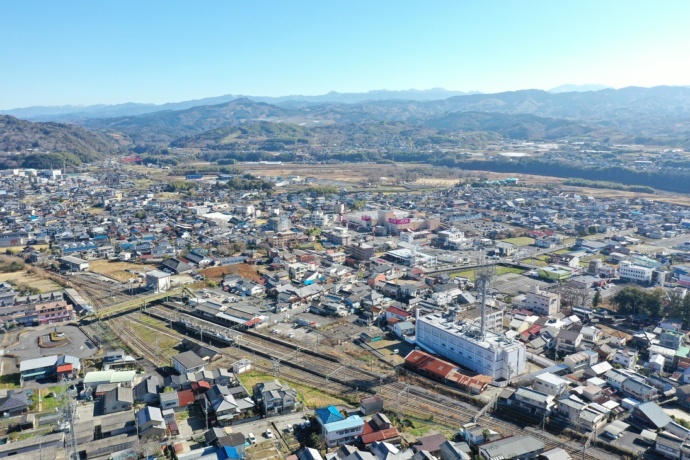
(630, 272)
(494, 354)
(550, 384)
(626, 357)
(541, 302)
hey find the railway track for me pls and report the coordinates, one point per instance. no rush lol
(287, 354)
(124, 333)
(408, 399)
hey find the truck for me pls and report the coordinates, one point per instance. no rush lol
(305, 322)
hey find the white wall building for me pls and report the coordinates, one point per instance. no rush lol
(630, 272)
(494, 354)
(550, 384)
(541, 302)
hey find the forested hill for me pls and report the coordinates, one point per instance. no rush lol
(53, 142)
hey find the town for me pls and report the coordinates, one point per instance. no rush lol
(253, 313)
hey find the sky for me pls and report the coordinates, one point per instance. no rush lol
(153, 51)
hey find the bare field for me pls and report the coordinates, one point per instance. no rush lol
(244, 270)
(116, 269)
(30, 280)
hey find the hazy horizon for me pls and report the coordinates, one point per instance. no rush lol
(71, 53)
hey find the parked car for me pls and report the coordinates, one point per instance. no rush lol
(269, 434)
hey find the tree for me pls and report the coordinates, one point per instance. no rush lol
(596, 300)
(358, 205)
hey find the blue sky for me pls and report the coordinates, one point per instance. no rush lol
(87, 52)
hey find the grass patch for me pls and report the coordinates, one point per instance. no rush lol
(311, 398)
(9, 381)
(520, 241)
(562, 251)
(502, 270)
(51, 398)
(469, 274)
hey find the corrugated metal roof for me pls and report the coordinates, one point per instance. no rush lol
(37, 363)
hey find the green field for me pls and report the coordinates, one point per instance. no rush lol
(500, 270)
(464, 274)
(519, 241)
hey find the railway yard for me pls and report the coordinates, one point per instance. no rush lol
(315, 368)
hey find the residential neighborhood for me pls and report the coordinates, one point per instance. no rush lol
(306, 321)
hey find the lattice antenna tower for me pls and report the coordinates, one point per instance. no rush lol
(484, 276)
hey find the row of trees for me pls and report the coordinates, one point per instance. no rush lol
(633, 300)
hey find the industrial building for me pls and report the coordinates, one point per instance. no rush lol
(489, 353)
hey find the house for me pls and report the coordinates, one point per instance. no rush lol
(343, 431)
(188, 361)
(117, 400)
(371, 405)
(568, 341)
(14, 403)
(550, 384)
(532, 402)
(150, 423)
(638, 389)
(580, 360)
(520, 447)
(274, 397)
(169, 400)
(475, 434)
(455, 451)
(309, 453)
(668, 446)
(626, 357)
(431, 443)
(146, 390)
(556, 453)
(47, 446)
(650, 415)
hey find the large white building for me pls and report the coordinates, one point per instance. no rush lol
(630, 272)
(542, 302)
(494, 354)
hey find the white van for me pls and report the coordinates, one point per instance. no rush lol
(251, 438)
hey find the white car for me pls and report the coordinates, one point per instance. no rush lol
(251, 438)
(269, 434)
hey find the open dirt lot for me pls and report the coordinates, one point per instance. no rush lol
(23, 278)
(244, 270)
(116, 269)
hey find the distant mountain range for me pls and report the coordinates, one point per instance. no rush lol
(577, 88)
(76, 112)
(634, 111)
(379, 119)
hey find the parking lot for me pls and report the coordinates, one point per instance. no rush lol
(27, 345)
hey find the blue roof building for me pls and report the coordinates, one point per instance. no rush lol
(328, 415)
